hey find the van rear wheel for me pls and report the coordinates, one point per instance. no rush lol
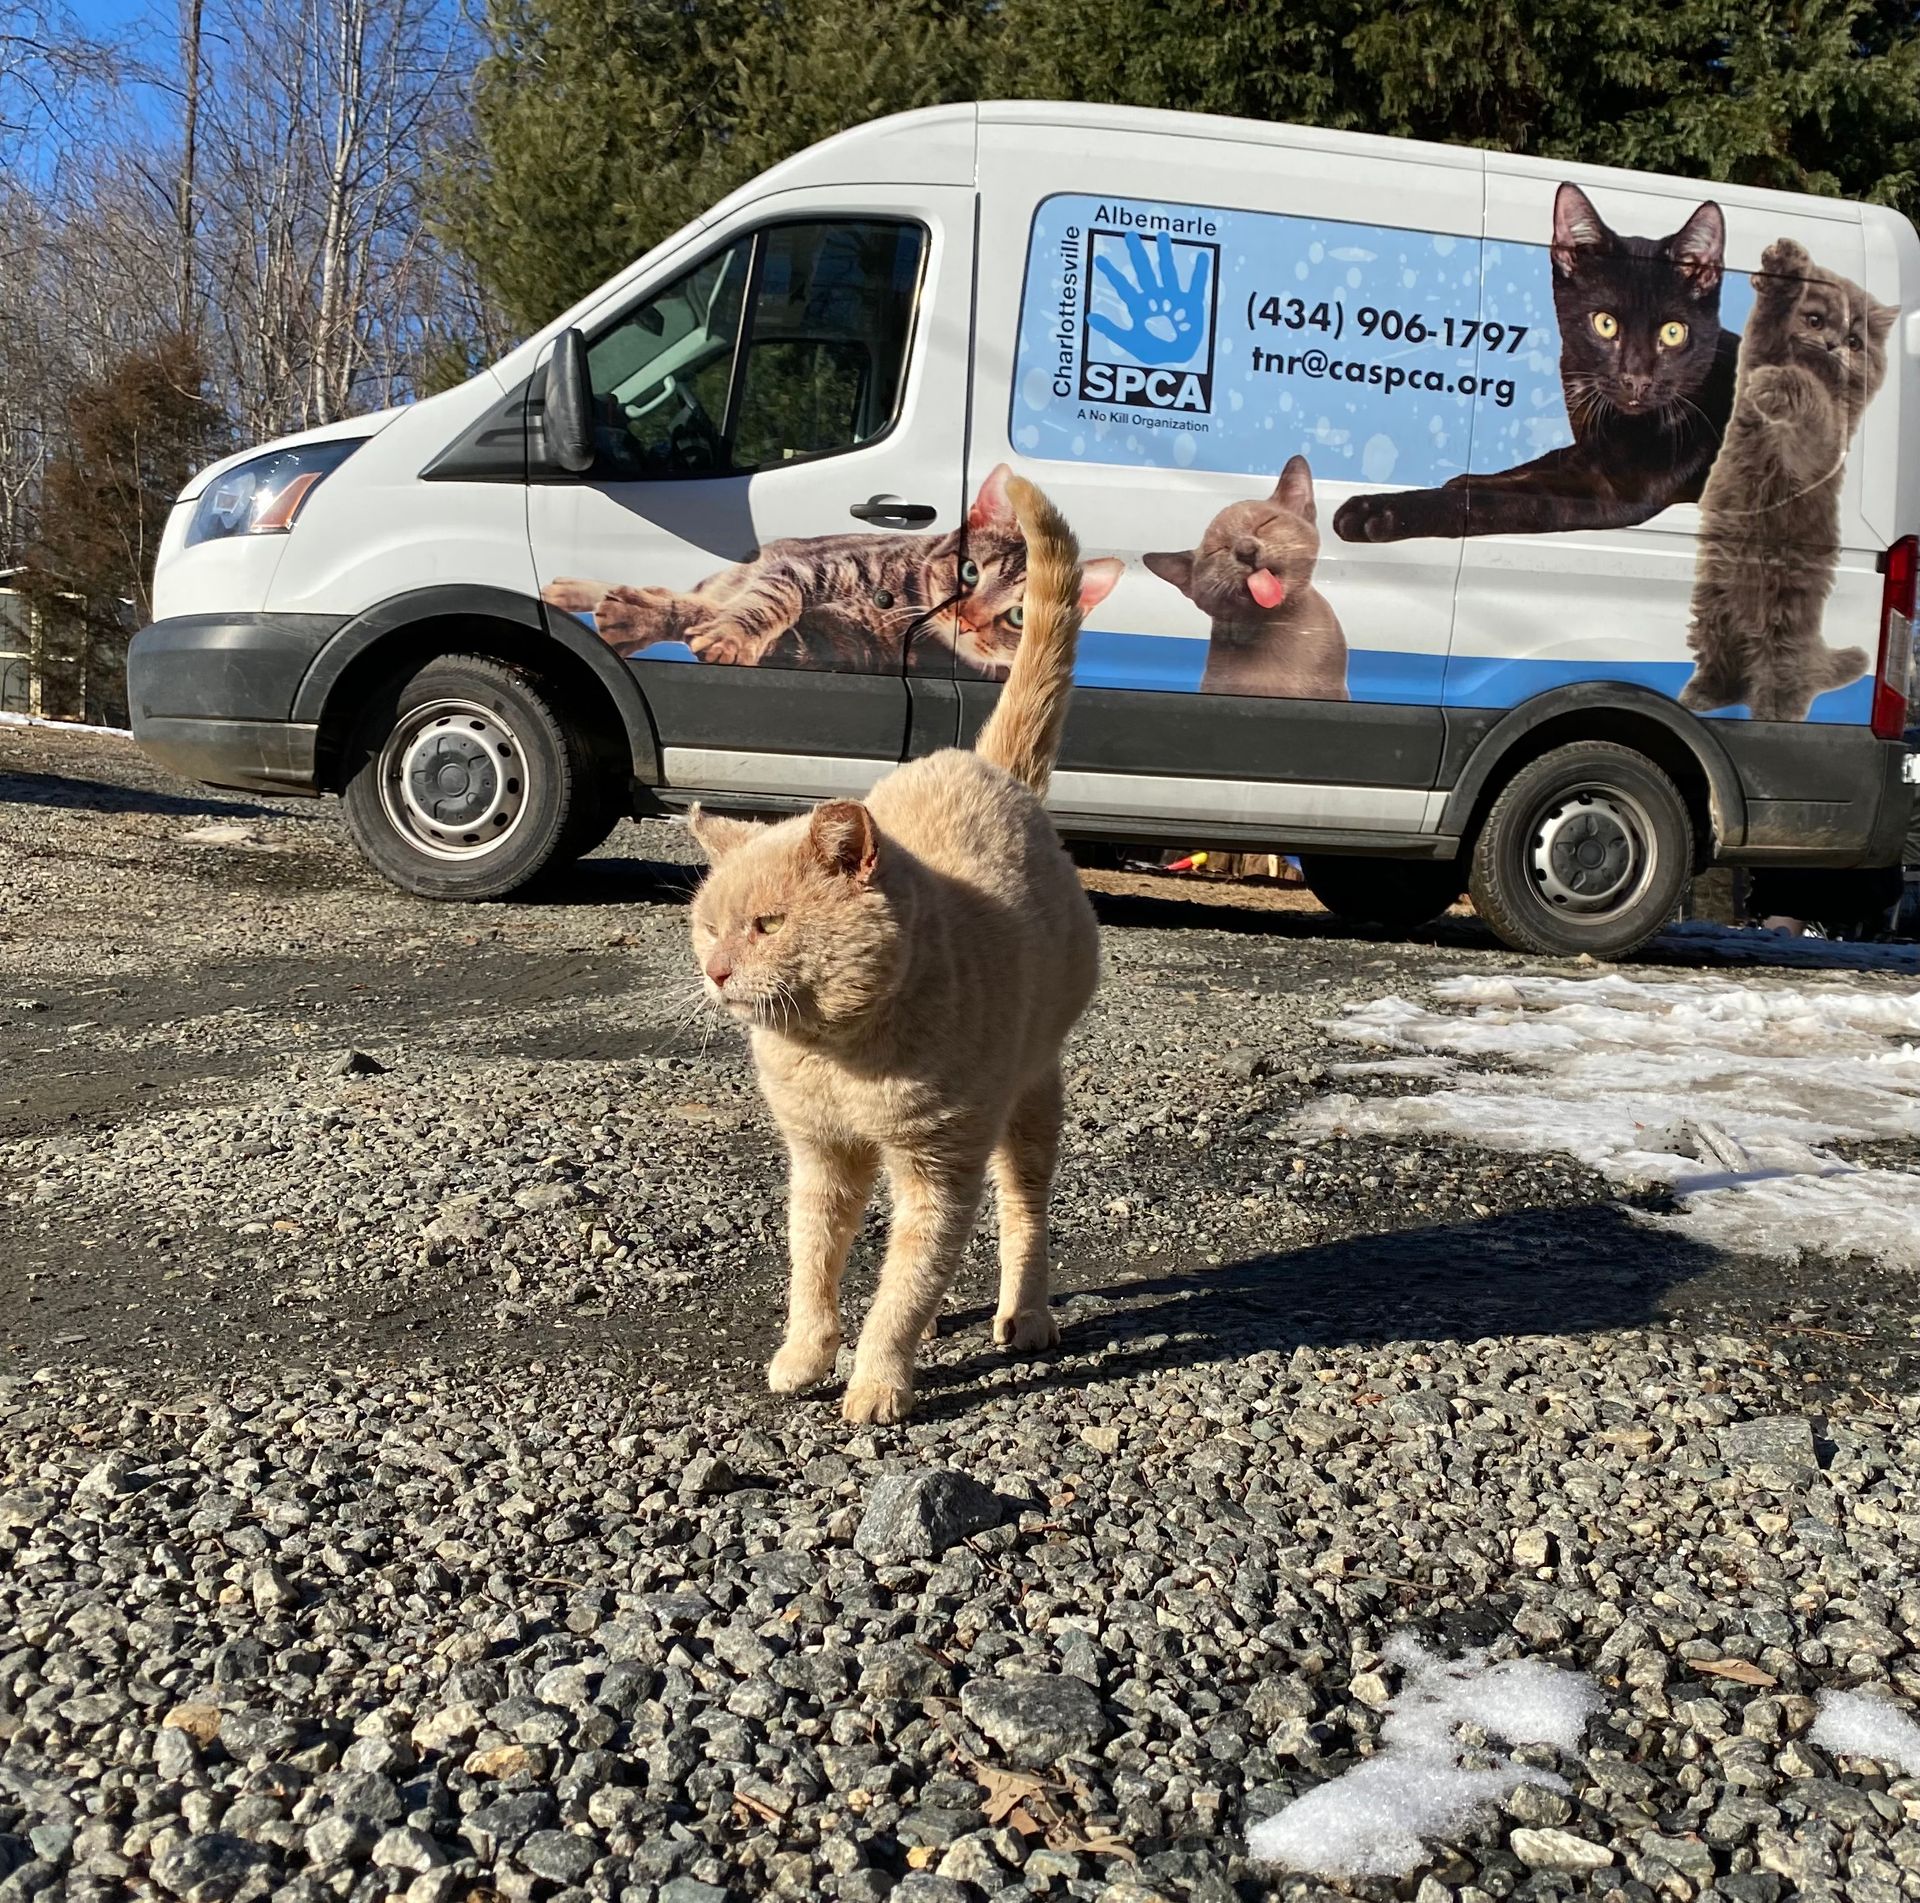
(469, 779)
(1587, 849)
(1396, 894)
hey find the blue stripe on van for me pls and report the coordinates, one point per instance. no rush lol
(1486, 680)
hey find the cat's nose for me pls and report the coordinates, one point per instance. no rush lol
(720, 969)
(1247, 550)
(1636, 389)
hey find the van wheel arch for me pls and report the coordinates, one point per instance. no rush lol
(404, 635)
(1670, 737)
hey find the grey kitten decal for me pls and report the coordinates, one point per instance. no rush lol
(1812, 357)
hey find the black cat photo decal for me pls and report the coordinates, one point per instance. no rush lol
(1648, 376)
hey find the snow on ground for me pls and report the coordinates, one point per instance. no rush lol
(1729, 1094)
(63, 726)
(1377, 1819)
(1861, 1725)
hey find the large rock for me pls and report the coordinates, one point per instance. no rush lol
(215, 1868)
(1777, 1453)
(1036, 1721)
(918, 1516)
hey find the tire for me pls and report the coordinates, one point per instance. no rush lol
(1398, 895)
(516, 791)
(600, 805)
(1586, 849)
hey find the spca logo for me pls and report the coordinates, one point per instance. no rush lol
(1147, 342)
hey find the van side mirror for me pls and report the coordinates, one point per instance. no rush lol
(568, 418)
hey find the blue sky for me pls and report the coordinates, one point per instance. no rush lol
(108, 16)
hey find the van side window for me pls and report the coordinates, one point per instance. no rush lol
(820, 368)
(827, 352)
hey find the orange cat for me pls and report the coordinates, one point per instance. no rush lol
(907, 968)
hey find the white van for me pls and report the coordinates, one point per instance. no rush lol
(1450, 519)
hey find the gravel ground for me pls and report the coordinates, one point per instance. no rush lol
(389, 1506)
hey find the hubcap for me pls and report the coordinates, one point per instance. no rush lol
(1591, 851)
(453, 779)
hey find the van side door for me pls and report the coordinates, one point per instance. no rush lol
(780, 414)
(1217, 340)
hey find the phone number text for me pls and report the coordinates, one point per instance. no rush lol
(1331, 316)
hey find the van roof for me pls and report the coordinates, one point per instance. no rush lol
(938, 145)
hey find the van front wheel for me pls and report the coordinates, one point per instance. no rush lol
(465, 777)
(1587, 849)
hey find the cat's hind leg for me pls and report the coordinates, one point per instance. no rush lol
(1844, 667)
(1023, 1166)
(626, 619)
(935, 1201)
(828, 1187)
(1710, 687)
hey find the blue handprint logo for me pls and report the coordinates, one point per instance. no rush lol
(1166, 321)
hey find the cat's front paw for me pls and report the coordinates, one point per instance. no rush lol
(726, 646)
(801, 1362)
(1778, 393)
(1026, 1330)
(877, 1403)
(1369, 519)
(1784, 258)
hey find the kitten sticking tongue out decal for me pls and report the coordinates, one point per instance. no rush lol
(1266, 588)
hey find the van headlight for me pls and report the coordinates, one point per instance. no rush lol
(263, 496)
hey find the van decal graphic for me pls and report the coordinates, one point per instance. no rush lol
(1586, 382)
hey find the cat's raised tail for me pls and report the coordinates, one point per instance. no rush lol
(1023, 734)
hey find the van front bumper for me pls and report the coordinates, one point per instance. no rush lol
(212, 696)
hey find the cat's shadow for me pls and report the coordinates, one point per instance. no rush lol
(1587, 1270)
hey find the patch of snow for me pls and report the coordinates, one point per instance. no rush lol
(1859, 1725)
(1377, 1819)
(221, 832)
(62, 726)
(1725, 1094)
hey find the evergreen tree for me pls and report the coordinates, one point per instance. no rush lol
(605, 124)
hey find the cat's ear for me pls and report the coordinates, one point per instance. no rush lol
(992, 504)
(1577, 227)
(843, 839)
(717, 836)
(1699, 248)
(1294, 490)
(1880, 319)
(1176, 567)
(1097, 581)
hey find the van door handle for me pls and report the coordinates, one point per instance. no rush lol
(891, 513)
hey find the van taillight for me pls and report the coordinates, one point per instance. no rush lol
(1893, 682)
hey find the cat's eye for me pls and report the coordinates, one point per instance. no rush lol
(1673, 333)
(1016, 617)
(768, 923)
(1814, 320)
(969, 574)
(1606, 325)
